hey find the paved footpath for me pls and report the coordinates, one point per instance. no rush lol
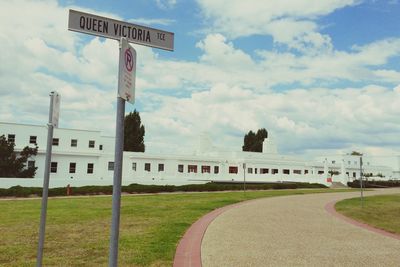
(295, 231)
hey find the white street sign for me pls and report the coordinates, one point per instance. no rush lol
(127, 72)
(56, 110)
(115, 29)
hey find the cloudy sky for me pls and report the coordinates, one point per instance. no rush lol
(323, 77)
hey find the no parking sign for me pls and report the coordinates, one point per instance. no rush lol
(127, 72)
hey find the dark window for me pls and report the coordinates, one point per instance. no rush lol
(53, 167)
(233, 169)
(11, 138)
(297, 171)
(264, 170)
(100, 147)
(205, 169)
(134, 166)
(216, 169)
(249, 170)
(32, 139)
(91, 143)
(255, 170)
(192, 168)
(160, 167)
(333, 161)
(90, 167)
(55, 141)
(31, 164)
(111, 165)
(320, 172)
(305, 171)
(347, 173)
(147, 167)
(274, 171)
(180, 168)
(286, 171)
(72, 167)
(74, 142)
(354, 175)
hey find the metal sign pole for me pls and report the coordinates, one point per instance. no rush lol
(116, 198)
(46, 179)
(361, 183)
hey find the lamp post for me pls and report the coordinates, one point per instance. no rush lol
(361, 182)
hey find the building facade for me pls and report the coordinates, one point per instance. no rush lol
(83, 157)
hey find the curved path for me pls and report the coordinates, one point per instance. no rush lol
(295, 231)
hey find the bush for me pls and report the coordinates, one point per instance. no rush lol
(374, 184)
(19, 191)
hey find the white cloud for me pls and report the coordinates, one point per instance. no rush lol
(166, 4)
(145, 21)
(289, 22)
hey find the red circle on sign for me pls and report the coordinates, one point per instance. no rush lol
(128, 60)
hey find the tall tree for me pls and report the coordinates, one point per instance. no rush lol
(253, 141)
(13, 164)
(133, 133)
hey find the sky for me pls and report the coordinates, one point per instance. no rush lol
(323, 77)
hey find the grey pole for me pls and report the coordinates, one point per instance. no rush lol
(46, 179)
(244, 177)
(116, 198)
(361, 183)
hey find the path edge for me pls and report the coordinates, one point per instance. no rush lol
(330, 208)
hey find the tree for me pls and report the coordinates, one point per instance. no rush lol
(355, 153)
(253, 141)
(13, 164)
(133, 133)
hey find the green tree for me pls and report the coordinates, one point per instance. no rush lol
(356, 153)
(133, 133)
(13, 164)
(253, 141)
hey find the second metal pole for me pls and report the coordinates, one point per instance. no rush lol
(116, 197)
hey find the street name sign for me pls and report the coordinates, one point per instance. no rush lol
(114, 29)
(127, 72)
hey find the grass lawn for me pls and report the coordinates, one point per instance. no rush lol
(379, 211)
(77, 230)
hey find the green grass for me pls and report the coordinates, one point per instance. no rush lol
(382, 212)
(77, 231)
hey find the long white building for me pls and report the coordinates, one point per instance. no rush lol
(83, 157)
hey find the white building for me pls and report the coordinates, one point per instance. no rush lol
(83, 157)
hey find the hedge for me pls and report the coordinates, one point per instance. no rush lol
(374, 184)
(19, 191)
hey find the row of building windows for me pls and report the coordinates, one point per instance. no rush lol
(55, 142)
(72, 167)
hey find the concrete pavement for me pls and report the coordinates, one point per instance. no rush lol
(294, 231)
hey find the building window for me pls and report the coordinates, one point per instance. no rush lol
(160, 167)
(180, 168)
(91, 143)
(11, 138)
(255, 170)
(31, 164)
(286, 171)
(347, 173)
(147, 167)
(354, 175)
(90, 167)
(297, 171)
(32, 139)
(72, 167)
(333, 161)
(205, 169)
(74, 142)
(134, 166)
(53, 167)
(264, 170)
(274, 171)
(233, 169)
(55, 141)
(100, 147)
(305, 171)
(111, 165)
(192, 168)
(216, 169)
(249, 170)
(320, 172)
